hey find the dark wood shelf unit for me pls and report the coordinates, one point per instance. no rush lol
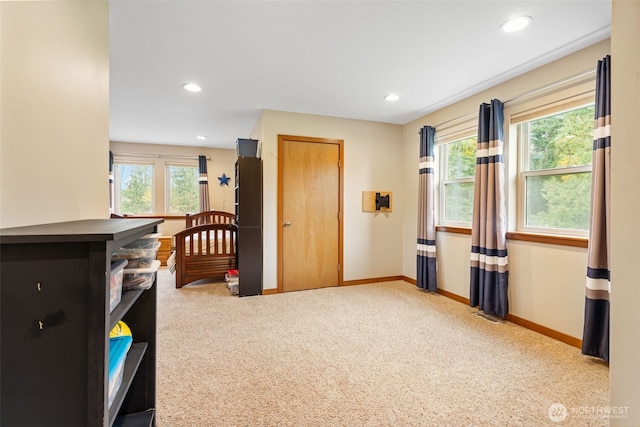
(55, 324)
(248, 204)
(140, 419)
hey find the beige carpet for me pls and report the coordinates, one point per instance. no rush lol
(371, 355)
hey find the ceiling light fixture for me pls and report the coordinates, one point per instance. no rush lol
(192, 87)
(201, 137)
(515, 24)
(391, 97)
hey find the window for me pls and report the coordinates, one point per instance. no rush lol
(133, 188)
(555, 172)
(458, 171)
(183, 195)
(156, 186)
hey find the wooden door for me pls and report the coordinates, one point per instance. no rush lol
(309, 213)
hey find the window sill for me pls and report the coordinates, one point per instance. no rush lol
(455, 230)
(182, 217)
(578, 242)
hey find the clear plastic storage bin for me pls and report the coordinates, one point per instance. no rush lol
(145, 242)
(134, 254)
(140, 278)
(233, 288)
(116, 277)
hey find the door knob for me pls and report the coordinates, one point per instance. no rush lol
(287, 224)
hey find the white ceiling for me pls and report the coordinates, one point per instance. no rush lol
(333, 58)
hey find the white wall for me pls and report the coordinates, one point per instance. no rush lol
(546, 282)
(221, 197)
(625, 200)
(54, 104)
(373, 161)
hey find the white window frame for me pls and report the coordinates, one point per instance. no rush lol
(524, 173)
(116, 181)
(444, 181)
(167, 184)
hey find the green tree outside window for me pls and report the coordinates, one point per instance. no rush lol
(459, 180)
(184, 195)
(135, 188)
(560, 197)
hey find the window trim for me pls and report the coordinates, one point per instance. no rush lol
(167, 184)
(443, 181)
(577, 242)
(116, 190)
(577, 91)
(520, 123)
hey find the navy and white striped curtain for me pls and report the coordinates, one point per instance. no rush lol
(111, 189)
(203, 182)
(595, 337)
(489, 261)
(426, 275)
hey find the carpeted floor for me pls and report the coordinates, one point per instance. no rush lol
(381, 354)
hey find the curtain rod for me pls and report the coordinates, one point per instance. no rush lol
(158, 156)
(527, 93)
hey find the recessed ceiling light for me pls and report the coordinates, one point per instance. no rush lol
(515, 24)
(192, 87)
(391, 97)
(201, 137)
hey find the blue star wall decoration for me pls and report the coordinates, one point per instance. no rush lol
(224, 180)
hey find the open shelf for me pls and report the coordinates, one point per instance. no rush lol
(139, 419)
(131, 364)
(128, 299)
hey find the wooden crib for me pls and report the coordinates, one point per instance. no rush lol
(206, 248)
